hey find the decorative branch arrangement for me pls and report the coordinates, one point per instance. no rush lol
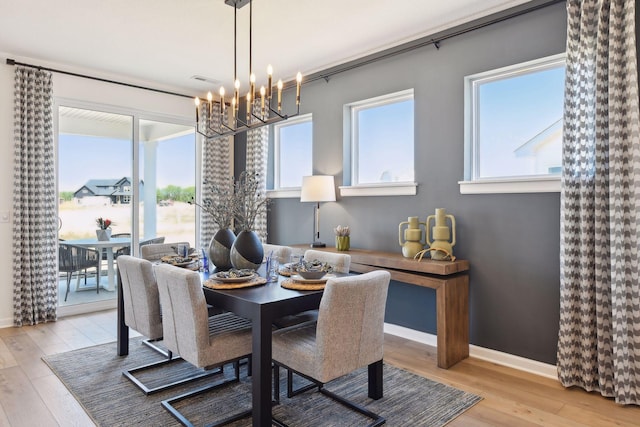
(240, 200)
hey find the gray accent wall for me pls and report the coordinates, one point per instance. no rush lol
(511, 240)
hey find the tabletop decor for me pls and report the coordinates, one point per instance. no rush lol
(247, 251)
(221, 207)
(103, 233)
(342, 237)
(413, 236)
(256, 280)
(442, 239)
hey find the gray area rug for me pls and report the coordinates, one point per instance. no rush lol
(94, 377)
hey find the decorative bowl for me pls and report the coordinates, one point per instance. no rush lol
(312, 274)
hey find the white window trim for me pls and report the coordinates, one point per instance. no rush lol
(385, 189)
(285, 192)
(293, 193)
(353, 188)
(472, 184)
(550, 184)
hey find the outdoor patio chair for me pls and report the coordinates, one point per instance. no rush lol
(76, 259)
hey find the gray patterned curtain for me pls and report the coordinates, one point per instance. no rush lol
(216, 171)
(599, 338)
(35, 222)
(257, 151)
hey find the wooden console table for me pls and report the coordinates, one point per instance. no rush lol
(450, 279)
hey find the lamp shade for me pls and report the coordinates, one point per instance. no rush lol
(318, 188)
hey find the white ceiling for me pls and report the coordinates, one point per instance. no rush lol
(165, 42)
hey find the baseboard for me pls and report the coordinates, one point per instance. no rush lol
(89, 307)
(6, 323)
(493, 356)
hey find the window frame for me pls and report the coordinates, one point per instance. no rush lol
(473, 183)
(278, 191)
(351, 186)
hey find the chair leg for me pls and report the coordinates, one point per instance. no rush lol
(168, 404)
(97, 280)
(66, 294)
(377, 419)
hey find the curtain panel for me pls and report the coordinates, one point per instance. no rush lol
(599, 334)
(35, 240)
(217, 168)
(257, 152)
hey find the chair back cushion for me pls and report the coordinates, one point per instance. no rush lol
(184, 313)
(282, 253)
(340, 262)
(155, 251)
(350, 330)
(140, 295)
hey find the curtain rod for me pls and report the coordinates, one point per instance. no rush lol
(430, 40)
(53, 70)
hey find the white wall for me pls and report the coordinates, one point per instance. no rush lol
(78, 89)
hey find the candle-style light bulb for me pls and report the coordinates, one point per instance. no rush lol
(233, 107)
(252, 85)
(221, 101)
(262, 93)
(298, 83)
(279, 96)
(248, 106)
(197, 102)
(269, 83)
(236, 84)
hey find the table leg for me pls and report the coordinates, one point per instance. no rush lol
(123, 329)
(453, 321)
(111, 272)
(375, 380)
(261, 379)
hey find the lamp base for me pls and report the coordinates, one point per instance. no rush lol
(318, 245)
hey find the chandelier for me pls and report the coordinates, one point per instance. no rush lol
(213, 120)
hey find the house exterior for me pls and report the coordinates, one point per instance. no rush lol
(109, 191)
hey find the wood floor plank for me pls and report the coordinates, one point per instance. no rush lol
(28, 355)
(21, 403)
(6, 357)
(64, 407)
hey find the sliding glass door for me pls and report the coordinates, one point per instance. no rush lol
(137, 173)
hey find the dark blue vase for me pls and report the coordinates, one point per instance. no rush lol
(220, 249)
(247, 251)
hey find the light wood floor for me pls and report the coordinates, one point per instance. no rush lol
(30, 395)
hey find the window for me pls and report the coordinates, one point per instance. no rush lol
(513, 128)
(293, 148)
(379, 146)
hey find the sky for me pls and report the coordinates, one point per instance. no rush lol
(82, 158)
(511, 112)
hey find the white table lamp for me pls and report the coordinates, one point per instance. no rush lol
(317, 188)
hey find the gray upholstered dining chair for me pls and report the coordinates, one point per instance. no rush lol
(155, 251)
(281, 253)
(142, 313)
(206, 344)
(340, 262)
(348, 335)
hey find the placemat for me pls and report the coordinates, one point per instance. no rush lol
(292, 284)
(214, 284)
(284, 272)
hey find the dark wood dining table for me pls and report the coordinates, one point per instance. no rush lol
(262, 305)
